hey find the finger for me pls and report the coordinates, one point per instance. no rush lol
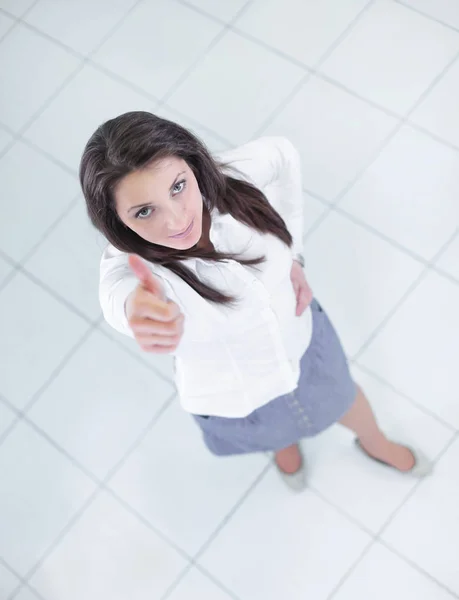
(157, 340)
(142, 326)
(303, 301)
(156, 310)
(145, 276)
(160, 349)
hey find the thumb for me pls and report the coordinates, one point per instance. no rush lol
(145, 276)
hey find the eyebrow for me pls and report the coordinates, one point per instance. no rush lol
(170, 189)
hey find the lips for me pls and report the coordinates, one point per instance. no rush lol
(184, 233)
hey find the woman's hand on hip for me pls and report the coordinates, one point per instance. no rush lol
(303, 292)
(157, 323)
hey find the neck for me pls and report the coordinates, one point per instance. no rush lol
(204, 242)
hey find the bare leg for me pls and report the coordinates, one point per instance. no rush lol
(361, 420)
(289, 459)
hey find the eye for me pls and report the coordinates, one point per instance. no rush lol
(144, 213)
(178, 187)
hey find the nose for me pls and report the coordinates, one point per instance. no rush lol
(176, 220)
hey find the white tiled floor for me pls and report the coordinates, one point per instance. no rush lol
(106, 488)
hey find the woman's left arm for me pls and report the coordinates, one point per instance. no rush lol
(272, 164)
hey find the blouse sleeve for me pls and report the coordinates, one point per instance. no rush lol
(116, 282)
(273, 165)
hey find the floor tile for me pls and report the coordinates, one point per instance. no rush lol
(108, 553)
(443, 10)
(178, 485)
(369, 492)
(213, 142)
(33, 204)
(195, 585)
(8, 581)
(410, 193)
(266, 79)
(437, 112)
(157, 43)
(7, 416)
(5, 270)
(80, 25)
(426, 529)
(161, 363)
(337, 134)
(5, 139)
(322, 544)
(88, 101)
(26, 594)
(417, 350)
(222, 10)
(109, 400)
(392, 55)
(43, 68)
(382, 575)
(449, 260)
(304, 30)
(5, 24)
(41, 492)
(33, 342)
(73, 271)
(16, 7)
(313, 211)
(356, 276)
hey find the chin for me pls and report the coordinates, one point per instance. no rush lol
(188, 243)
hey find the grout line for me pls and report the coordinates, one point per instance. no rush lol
(101, 485)
(212, 537)
(426, 15)
(414, 489)
(412, 401)
(126, 82)
(231, 513)
(27, 587)
(392, 241)
(61, 365)
(46, 154)
(61, 299)
(165, 97)
(139, 439)
(377, 539)
(132, 353)
(50, 99)
(204, 573)
(417, 567)
(71, 206)
(339, 509)
(204, 13)
(351, 569)
(401, 301)
(414, 284)
(396, 129)
(50, 38)
(12, 25)
(312, 71)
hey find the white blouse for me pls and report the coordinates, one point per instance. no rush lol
(232, 360)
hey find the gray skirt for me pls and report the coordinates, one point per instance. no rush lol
(324, 394)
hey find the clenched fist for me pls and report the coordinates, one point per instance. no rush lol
(157, 324)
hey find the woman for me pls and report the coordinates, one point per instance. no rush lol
(205, 263)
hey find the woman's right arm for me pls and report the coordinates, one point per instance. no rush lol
(134, 303)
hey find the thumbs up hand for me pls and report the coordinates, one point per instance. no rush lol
(157, 323)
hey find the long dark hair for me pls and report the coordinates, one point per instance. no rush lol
(135, 140)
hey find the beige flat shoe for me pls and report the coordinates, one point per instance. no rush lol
(421, 468)
(297, 481)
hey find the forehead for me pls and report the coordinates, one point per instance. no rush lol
(144, 185)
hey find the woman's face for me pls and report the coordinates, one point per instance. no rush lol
(162, 203)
